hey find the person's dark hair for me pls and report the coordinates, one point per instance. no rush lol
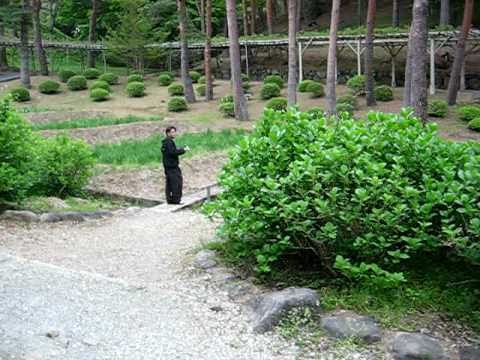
(170, 128)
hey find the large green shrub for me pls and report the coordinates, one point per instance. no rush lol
(91, 73)
(348, 99)
(227, 109)
(77, 82)
(269, 90)
(226, 99)
(357, 84)
(20, 94)
(135, 78)
(302, 87)
(176, 89)
(474, 124)
(135, 89)
(99, 94)
(316, 112)
(201, 90)
(177, 104)
(165, 80)
(315, 89)
(195, 76)
(65, 75)
(345, 107)
(438, 108)
(366, 197)
(49, 87)
(110, 78)
(274, 79)
(383, 93)
(278, 104)
(100, 84)
(469, 112)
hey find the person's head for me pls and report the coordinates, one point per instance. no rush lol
(171, 132)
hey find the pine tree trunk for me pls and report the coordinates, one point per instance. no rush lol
(24, 50)
(454, 82)
(245, 18)
(269, 11)
(299, 15)
(253, 21)
(407, 90)
(332, 59)
(241, 110)
(369, 81)
(53, 10)
(92, 35)
(3, 51)
(359, 12)
(201, 13)
(445, 12)
(292, 52)
(187, 81)
(37, 33)
(395, 14)
(208, 51)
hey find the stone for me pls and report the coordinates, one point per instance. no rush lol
(73, 216)
(470, 353)
(205, 259)
(56, 203)
(413, 346)
(350, 325)
(238, 289)
(52, 334)
(269, 309)
(25, 216)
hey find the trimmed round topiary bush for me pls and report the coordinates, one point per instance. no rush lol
(99, 94)
(270, 90)
(135, 89)
(201, 90)
(227, 109)
(226, 99)
(195, 76)
(315, 89)
(274, 79)
(278, 104)
(302, 87)
(165, 80)
(348, 99)
(100, 84)
(110, 78)
(177, 104)
(135, 78)
(176, 89)
(246, 86)
(383, 93)
(20, 94)
(474, 124)
(345, 107)
(245, 77)
(169, 73)
(438, 108)
(469, 112)
(65, 75)
(357, 84)
(49, 87)
(316, 112)
(201, 79)
(91, 73)
(77, 82)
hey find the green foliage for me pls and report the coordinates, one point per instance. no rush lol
(245, 78)
(99, 94)
(383, 93)
(348, 99)
(316, 112)
(269, 90)
(246, 85)
(345, 107)
(227, 109)
(201, 90)
(469, 112)
(100, 84)
(474, 124)
(177, 104)
(20, 94)
(49, 87)
(315, 89)
(195, 76)
(135, 89)
(135, 78)
(202, 79)
(226, 99)
(110, 78)
(168, 73)
(165, 80)
(65, 75)
(438, 108)
(278, 104)
(274, 79)
(357, 84)
(91, 122)
(91, 73)
(77, 82)
(302, 87)
(176, 89)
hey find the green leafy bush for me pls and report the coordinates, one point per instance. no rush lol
(100, 84)
(345, 107)
(245, 78)
(438, 108)
(474, 124)
(269, 90)
(201, 90)
(302, 87)
(49, 87)
(177, 104)
(246, 85)
(91, 73)
(168, 73)
(165, 80)
(348, 99)
(278, 104)
(201, 80)
(99, 94)
(383, 93)
(357, 84)
(227, 109)
(110, 78)
(77, 82)
(316, 112)
(367, 198)
(135, 89)
(176, 89)
(65, 75)
(469, 112)
(20, 94)
(274, 79)
(315, 89)
(194, 75)
(226, 99)
(135, 78)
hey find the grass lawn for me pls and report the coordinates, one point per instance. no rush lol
(93, 122)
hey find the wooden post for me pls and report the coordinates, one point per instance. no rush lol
(394, 77)
(247, 67)
(359, 57)
(336, 69)
(432, 67)
(104, 62)
(463, 86)
(170, 61)
(300, 62)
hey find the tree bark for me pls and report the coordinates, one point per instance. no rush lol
(253, 20)
(208, 51)
(292, 53)
(53, 11)
(201, 12)
(241, 110)
(369, 81)
(332, 59)
(395, 14)
(187, 81)
(24, 50)
(245, 17)
(407, 90)
(269, 11)
(92, 35)
(37, 34)
(359, 12)
(454, 81)
(3, 51)
(445, 12)
(299, 16)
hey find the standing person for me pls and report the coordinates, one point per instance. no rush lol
(173, 174)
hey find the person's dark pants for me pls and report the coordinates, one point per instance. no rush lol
(173, 185)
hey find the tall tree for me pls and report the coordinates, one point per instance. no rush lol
(299, 15)
(92, 34)
(208, 51)
(24, 49)
(53, 12)
(292, 52)
(395, 14)
(245, 17)
(454, 81)
(332, 59)
(240, 103)
(187, 81)
(3, 51)
(37, 35)
(445, 12)
(253, 20)
(370, 95)
(269, 12)
(359, 12)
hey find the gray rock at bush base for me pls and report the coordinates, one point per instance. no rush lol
(415, 346)
(205, 259)
(73, 216)
(269, 309)
(347, 325)
(25, 216)
(470, 353)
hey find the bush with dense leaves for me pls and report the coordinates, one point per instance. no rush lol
(135, 89)
(383, 93)
(302, 87)
(278, 104)
(226, 99)
(100, 84)
(177, 104)
(165, 80)
(269, 90)
(135, 78)
(315, 89)
(169, 73)
(201, 90)
(77, 82)
(474, 124)
(274, 79)
(91, 73)
(357, 84)
(469, 112)
(227, 109)
(49, 87)
(348, 99)
(438, 108)
(99, 94)
(316, 112)
(65, 75)
(366, 197)
(345, 107)
(110, 78)
(176, 89)
(195, 76)
(20, 94)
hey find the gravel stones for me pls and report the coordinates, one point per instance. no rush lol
(25, 216)
(29, 217)
(470, 353)
(205, 259)
(350, 325)
(413, 346)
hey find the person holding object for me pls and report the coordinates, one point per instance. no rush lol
(173, 174)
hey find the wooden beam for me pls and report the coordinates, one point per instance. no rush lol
(432, 66)
(300, 62)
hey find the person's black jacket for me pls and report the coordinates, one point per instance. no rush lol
(170, 153)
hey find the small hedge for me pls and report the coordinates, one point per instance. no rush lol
(176, 89)
(227, 109)
(165, 80)
(348, 99)
(469, 112)
(274, 79)
(92, 73)
(135, 78)
(383, 93)
(110, 78)
(302, 87)
(177, 104)
(226, 99)
(195, 76)
(278, 104)
(246, 85)
(357, 84)
(49, 87)
(474, 124)
(201, 90)
(99, 94)
(100, 84)
(345, 107)
(270, 90)
(316, 112)
(20, 94)
(77, 82)
(438, 108)
(135, 89)
(65, 75)
(169, 73)
(315, 89)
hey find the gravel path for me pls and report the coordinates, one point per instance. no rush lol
(120, 288)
